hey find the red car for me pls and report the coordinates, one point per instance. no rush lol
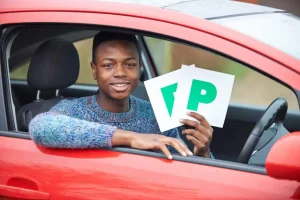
(257, 152)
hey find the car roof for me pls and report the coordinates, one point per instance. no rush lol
(213, 9)
(207, 9)
(180, 12)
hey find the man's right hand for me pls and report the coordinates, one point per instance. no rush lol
(149, 142)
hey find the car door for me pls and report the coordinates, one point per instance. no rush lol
(32, 172)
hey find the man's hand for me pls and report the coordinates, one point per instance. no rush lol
(200, 134)
(149, 142)
(159, 142)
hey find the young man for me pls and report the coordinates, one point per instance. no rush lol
(113, 117)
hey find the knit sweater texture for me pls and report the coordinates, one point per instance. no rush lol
(81, 123)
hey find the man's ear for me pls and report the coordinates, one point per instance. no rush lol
(93, 66)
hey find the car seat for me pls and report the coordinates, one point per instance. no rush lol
(54, 66)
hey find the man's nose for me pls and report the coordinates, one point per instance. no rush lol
(120, 71)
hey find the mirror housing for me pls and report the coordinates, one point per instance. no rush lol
(283, 161)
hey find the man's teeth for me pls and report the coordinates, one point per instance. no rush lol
(120, 85)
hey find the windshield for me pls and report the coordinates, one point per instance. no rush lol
(280, 30)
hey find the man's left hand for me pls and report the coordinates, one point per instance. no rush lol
(200, 134)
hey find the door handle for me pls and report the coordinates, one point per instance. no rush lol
(16, 192)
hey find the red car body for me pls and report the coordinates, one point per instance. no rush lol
(28, 171)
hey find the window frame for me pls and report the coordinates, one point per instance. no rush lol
(6, 41)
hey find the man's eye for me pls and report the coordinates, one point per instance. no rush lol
(131, 65)
(108, 65)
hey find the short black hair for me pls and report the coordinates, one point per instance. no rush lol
(105, 36)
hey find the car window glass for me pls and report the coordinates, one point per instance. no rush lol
(20, 72)
(250, 87)
(84, 48)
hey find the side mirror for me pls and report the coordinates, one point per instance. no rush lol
(283, 161)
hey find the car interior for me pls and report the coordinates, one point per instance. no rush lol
(46, 85)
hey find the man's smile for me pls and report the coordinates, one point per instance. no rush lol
(120, 86)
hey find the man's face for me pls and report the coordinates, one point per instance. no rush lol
(116, 68)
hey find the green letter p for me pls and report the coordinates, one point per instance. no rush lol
(201, 92)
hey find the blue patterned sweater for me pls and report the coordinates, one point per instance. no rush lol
(82, 123)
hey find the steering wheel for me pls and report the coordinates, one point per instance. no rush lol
(275, 113)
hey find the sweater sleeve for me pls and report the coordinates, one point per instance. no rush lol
(58, 128)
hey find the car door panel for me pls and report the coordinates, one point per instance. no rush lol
(104, 174)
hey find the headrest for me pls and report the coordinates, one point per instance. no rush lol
(55, 65)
